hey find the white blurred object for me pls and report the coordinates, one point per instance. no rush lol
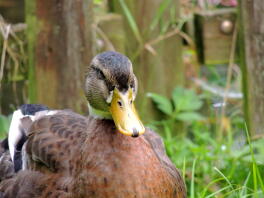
(231, 94)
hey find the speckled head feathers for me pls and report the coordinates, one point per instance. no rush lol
(107, 71)
(116, 67)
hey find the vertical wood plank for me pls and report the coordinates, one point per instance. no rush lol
(60, 47)
(252, 53)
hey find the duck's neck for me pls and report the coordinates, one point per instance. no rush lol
(96, 113)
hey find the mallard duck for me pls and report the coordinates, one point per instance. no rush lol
(109, 154)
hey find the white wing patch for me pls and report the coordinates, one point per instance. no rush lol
(14, 134)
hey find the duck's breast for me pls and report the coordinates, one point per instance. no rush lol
(121, 166)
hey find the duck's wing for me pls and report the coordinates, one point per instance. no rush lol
(22, 118)
(53, 140)
(33, 184)
(157, 145)
(16, 134)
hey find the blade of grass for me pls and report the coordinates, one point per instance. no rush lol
(244, 190)
(208, 185)
(192, 181)
(184, 169)
(253, 194)
(215, 193)
(255, 177)
(260, 178)
(227, 180)
(256, 174)
(131, 21)
(159, 13)
(232, 191)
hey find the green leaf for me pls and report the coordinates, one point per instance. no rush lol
(186, 100)
(97, 1)
(159, 13)
(4, 125)
(18, 77)
(131, 21)
(163, 104)
(189, 116)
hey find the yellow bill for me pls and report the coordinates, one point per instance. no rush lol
(124, 114)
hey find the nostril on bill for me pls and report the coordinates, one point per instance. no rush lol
(135, 133)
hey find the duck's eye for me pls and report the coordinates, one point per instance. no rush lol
(119, 103)
(131, 102)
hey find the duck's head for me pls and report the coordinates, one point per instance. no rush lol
(111, 88)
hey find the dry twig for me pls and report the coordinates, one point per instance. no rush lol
(149, 45)
(108, 43)
(5, 31)
(229, 76)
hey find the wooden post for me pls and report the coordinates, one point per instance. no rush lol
(159, 72)
(59, 47)
(252, 53)
(212, 40)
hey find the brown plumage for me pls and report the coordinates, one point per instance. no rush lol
(71, 156)
(6, 165)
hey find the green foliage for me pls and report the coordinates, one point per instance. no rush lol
(186, 100)
(4, 125)
(183, 105)
(230, 167)
(217, 169)
(163, 104)
(160, 23)
(97, 1)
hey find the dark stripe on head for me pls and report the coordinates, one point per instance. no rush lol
(122, 81)
(118, 66)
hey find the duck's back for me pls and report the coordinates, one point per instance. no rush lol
(54, 142)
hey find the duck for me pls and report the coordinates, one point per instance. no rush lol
(108, 154)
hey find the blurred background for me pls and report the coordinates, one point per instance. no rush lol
(200, 66)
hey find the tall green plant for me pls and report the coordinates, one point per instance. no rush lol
(182, 106)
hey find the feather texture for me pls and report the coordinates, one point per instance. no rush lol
(71, 155)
